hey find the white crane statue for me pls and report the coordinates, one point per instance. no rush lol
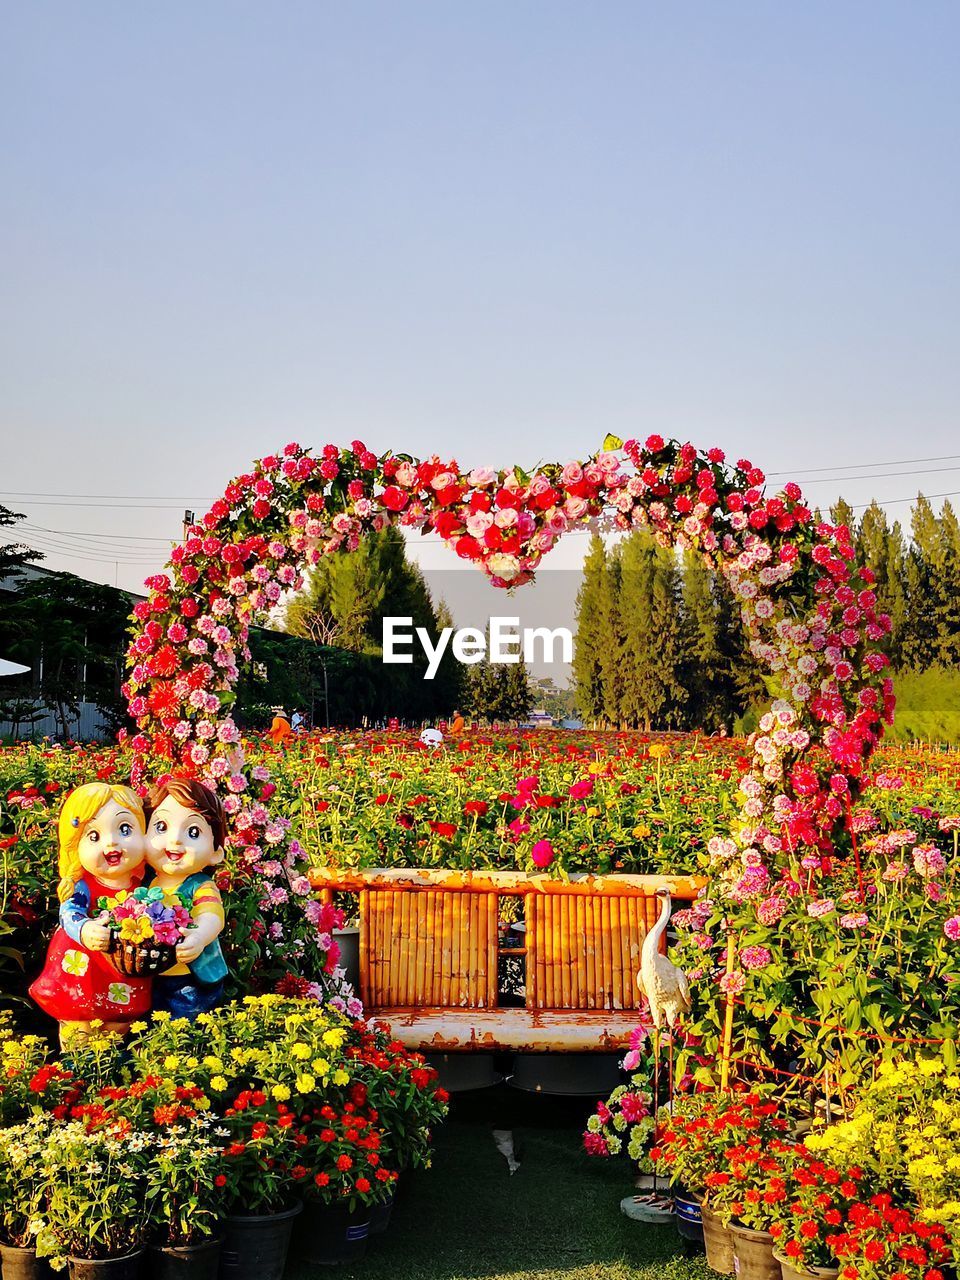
(664, 985)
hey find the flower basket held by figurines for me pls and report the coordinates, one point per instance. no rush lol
(146, 927)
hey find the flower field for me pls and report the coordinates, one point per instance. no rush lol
(826, 971)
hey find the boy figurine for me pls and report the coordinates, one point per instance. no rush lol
(185, 837)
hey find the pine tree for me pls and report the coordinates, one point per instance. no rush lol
(586, 653)
(708, 674)
(881, 550)
(841, 513)
(610, 642)
(640, 701)
(927, 630)
(668, 651)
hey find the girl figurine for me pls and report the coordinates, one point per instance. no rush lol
(102, 850)
(185, 837)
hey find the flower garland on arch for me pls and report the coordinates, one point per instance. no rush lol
(809, 611)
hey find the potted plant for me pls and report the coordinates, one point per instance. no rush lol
(345, 1177)
(695, 1144)
(184, 1193)
(95, 1216)
(22, 1188)
(260, 1196)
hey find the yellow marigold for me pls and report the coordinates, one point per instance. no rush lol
(219, 1083)
(212, 1063)
(659, 750)
(280, 1093)
(138, 1026)
(641, 832)
(161, 1015)
(171, 1062)
(306, 1083)
(300, 1050)
(341, 1077)
(321, 1066)
(334, 1037)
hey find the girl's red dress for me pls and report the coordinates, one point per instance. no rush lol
(77, 985)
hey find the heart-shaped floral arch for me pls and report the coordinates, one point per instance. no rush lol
(809, 611)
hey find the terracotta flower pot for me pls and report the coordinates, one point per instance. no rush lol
(717, 1242)
(753, 1254)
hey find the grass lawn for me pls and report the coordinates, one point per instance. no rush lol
(558, 1216)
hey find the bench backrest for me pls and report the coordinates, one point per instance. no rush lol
(428, 939)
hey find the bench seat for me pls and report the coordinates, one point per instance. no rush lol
(438, 1030)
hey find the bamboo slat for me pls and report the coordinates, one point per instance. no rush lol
(446, 948)
(472, 950)
(628, 984)
(606, 952)
(405, 922)
(590, 953)
(565, 939)
(493, 953)
(637, 934)
(578, 990)
(616, 957)
(488, 909)
(456, 961)
(391, 925)
(535, 915)
(420, 970)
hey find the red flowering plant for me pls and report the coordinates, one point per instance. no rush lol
(259, 1155)
(810, 1221)
(886, 1241)
(29, 1081)
(720, 1146)
(342, 1155)
(402, 1087)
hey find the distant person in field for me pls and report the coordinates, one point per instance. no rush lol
(280, 733)
(297, 723)
(457, 725)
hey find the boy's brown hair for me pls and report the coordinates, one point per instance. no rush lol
(192, 795)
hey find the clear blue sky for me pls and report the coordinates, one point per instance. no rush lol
(494, 230)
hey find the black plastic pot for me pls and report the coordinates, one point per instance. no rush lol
(186, 1262)
(380, 1215)
(328, 1234)
(23, 1264)
(255, 1246)
(129, 1267)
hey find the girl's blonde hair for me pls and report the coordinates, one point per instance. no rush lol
(80, 806)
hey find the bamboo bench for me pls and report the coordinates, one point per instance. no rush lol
(430, 946)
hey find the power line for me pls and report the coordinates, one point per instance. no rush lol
(902, 462)
(880, 475)
(81, 533)
(131, 497)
